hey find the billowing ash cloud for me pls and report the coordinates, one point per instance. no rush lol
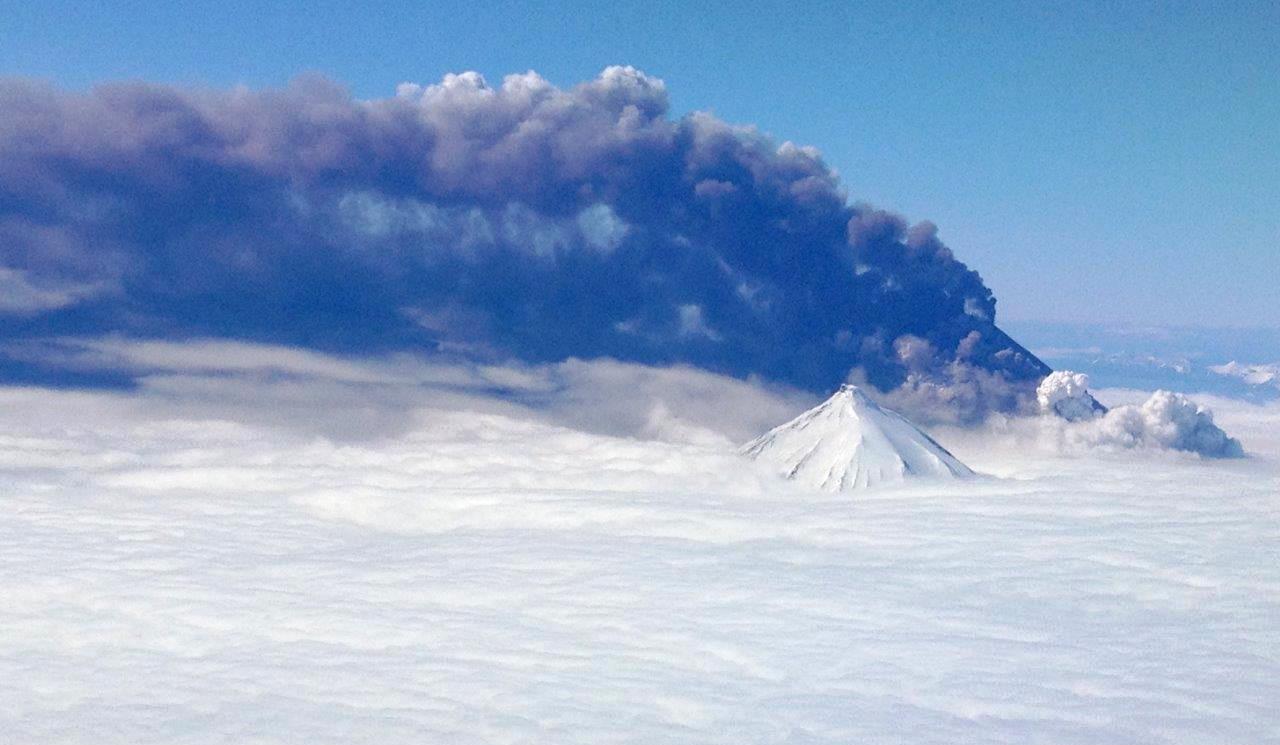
(1166, 421)
(1066, 394)
(519, 220)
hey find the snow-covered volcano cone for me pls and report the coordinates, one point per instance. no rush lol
(848, 442)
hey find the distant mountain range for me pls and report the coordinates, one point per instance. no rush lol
(1241, 363)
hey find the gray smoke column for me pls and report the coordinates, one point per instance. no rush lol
(521, 220)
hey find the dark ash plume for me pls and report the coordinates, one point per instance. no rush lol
(520, 220)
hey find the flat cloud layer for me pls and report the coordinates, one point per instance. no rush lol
(513, 220)
(198, 560)
(350, 399)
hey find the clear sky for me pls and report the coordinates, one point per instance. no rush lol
(1095, 161)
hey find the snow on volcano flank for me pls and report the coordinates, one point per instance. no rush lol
(848, 442)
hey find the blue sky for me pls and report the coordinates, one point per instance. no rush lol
(1096, 162)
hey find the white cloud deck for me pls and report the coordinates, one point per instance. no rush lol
(481, 579)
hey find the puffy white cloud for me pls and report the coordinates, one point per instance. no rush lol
(1166, 420)
(1066, 394)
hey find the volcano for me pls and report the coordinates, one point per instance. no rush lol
(849, 442)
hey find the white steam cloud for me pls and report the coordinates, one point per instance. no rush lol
(1166, 421)
(1066, 394)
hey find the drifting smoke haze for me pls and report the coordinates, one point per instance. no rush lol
(355, 398)
(516, 221)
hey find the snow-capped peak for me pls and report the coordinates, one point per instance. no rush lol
(848, 442)
(1251, 374)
